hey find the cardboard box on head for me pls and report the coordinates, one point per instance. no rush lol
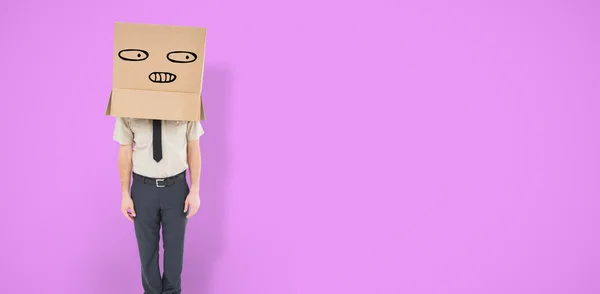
(157, 72)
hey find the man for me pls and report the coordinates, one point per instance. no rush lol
(158, 153)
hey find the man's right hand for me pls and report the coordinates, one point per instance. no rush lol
(127, 206)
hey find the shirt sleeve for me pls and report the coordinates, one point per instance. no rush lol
(123, 133)
(194, 130)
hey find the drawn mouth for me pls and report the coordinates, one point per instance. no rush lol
(162, 77)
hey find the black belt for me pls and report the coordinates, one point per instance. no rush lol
(160, 183)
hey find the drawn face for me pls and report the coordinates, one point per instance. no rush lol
(158, 58)
(139, 55)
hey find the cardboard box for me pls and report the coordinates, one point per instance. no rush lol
(157, 72)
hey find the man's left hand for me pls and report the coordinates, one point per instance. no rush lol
(192, 203)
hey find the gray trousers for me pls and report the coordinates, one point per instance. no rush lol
(159, 205)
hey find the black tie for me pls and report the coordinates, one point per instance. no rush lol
(156, 140)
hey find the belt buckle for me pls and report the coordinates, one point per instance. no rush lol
(160, 183)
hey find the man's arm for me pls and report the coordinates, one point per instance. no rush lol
(124, 135)
(192, 202)
(127, 206)
(194, 163)
(125, 164)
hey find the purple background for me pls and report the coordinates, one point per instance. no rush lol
(422, 147)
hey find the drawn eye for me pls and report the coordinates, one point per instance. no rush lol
(181, 56)
(133, 54)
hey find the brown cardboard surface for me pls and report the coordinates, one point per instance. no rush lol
(157, 72)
